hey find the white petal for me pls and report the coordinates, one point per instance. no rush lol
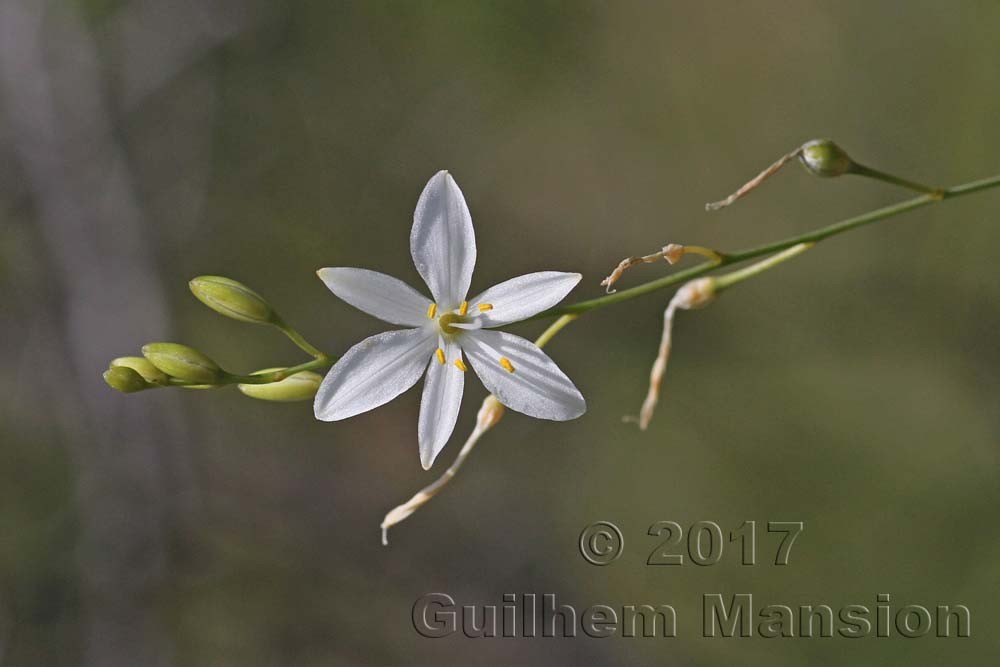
(440, 403)
(519, 298)
(536, 387)
(442, 241)
(373, 372)
(385, 297)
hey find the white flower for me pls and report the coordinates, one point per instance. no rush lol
(380, 368)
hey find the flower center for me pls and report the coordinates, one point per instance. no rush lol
(452, 323)
(446, 321)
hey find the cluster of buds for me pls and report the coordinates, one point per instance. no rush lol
(163, 365)
(177, 365)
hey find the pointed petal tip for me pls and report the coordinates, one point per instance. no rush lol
(427, 455)
(574, 411)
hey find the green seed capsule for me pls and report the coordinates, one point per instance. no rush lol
(299, 387)
(232, 299)
(822, 157)
(148, 371)
(125, 380)
(183, 362)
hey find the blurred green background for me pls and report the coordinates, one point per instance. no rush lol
(854, 389)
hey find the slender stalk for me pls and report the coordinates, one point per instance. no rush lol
(320, 361)
(862, 170)
(277, 376)
(754, 183)
(570, 312)
(261, 378)
(697, 294)
(777, 246)
(722, 282)
(298, 339)
(489, 414)
(555, 328)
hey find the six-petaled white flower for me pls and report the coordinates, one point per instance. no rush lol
(446, 330)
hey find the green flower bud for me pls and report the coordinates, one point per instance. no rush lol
(148, 371)
(299, 387)
(232, 299)
(183, 362)
(124, 379)
(822, 157)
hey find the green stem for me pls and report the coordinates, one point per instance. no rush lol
(262, 378)
(759, 251)
(785, 249)
(553, 329)
(862, 170)
(730, 279)
(319, 363)
(298, 339)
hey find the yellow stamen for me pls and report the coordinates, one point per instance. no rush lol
(440, 356)
(432, 311)
(460, 365)
(507, 366)
(464, 308)
(483, 307)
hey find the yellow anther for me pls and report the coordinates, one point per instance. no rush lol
(440, 356)
(432, 311)
(464, 308)
(507, 366)
(483, 307)
(460, 365)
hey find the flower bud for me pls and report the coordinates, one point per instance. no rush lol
(232, 299)
(148, 371)
(124, 379)
(183, 362)
(299, 387)
(822, 157)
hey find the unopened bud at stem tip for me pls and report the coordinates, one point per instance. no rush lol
(233, 299)
(125, 380)
(183, 362)
(822, 157)
(143, 367)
